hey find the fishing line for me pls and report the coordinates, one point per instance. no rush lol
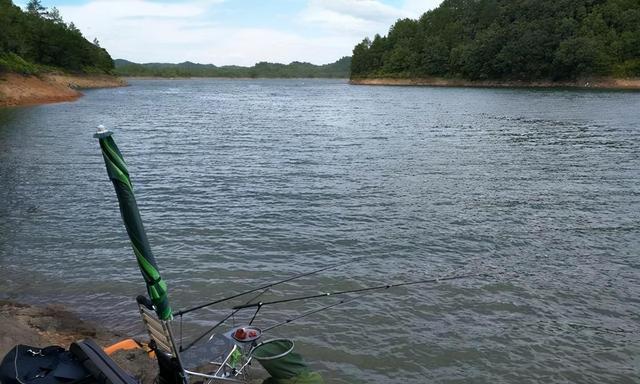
(343, 301)
(266, 286)
(359, 290)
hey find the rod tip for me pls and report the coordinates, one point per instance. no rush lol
(102, 132)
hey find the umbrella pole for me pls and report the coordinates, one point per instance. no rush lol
(119, 176)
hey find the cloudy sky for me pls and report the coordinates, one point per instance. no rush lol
(240, 32)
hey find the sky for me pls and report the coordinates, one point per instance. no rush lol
(234, 32)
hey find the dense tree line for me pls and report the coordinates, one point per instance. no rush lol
(38, 38)
(339, 69)
(509, 39)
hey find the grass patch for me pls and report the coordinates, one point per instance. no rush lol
(10, 62)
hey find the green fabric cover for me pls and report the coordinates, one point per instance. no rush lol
(119, 175)
(283, 364)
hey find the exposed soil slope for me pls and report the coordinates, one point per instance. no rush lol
(18, 89)
(605, 83)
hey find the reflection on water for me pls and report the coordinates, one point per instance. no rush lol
(244, 182)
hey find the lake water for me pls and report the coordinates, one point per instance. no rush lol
(248, 181)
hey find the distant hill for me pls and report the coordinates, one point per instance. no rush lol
(39, 40)
(522, 40)
(339, 69)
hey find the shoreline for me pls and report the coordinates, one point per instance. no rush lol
(56, 325)
(228, 78)
(21, 90)
(595, 83)
(42, 326)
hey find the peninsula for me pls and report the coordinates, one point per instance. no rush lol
(542, 43)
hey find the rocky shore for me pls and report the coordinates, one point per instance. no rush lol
(16, 89)
(54, 325)
(600, 83)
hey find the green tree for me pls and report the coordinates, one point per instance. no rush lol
(54, 15)
(42, 38)
(434, 60)
(401, 59)
(360, 64)
(35, 7)
(580, 56)
(509, 39)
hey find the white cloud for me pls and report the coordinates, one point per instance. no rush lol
(248, 46)
(355, 19)
(371, 10)
(351, 16)
(194, 30)
(136, 8)
(418, 7)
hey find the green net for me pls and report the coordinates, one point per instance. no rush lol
(284, 365)
(304, 378)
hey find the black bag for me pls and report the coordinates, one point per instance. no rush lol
(99, 364)
(51, 365)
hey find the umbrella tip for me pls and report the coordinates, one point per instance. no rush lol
(102, 132)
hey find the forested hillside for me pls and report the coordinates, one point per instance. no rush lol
(39, 39)
(339, 69)
(508, 40)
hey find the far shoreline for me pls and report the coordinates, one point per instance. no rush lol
(228, 78)
(632, 84)
(593, 83)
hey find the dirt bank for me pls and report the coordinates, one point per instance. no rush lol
(18, 89)
(53, 325)
(602, 83)
(86, 81)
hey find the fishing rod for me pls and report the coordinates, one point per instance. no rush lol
(219, 323)
(266, 286)
(343, 301)
(359, 290)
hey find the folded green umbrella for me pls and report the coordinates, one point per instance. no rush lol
(117, 171)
